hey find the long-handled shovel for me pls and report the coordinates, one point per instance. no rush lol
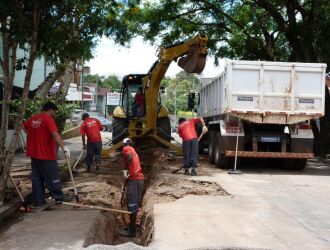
(26, 208)
(71, 176)
(74, 170)
(95, 207)
(177, 170)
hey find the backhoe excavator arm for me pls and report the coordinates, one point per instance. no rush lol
(192, 54)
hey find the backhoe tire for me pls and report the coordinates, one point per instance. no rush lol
(220, 160)
(211, 148)
(118, 126)
(164, 125)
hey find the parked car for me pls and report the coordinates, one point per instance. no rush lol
(107, 124)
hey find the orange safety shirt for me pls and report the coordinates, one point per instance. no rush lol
(40, 142)
(187, 130)
(91, 128)
(134, 169)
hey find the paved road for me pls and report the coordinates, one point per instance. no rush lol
(267, 208)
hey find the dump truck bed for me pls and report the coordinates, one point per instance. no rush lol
(266, 92)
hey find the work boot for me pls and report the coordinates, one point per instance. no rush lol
(193, 172)
(97, 170)
(66, 198)
(186, 171)
(131, 231)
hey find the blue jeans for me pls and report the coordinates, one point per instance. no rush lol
(45, 172)
(190, 153)
(93, 148)
(134, 195)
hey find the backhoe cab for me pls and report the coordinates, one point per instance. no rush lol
(140, 115)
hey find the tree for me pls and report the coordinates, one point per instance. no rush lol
(179, 87)
(112, 82)
(256, 29)
(26, 24)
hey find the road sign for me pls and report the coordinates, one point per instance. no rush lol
(113, 98)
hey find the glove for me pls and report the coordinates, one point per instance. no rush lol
(66, 151)
(125, 174)
(204, 129)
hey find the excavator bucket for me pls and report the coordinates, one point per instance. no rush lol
(194, 61)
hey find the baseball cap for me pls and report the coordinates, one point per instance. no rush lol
(127, 140)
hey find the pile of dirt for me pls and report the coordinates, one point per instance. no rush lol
(100, 194)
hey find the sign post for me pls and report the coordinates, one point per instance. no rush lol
(113, 98)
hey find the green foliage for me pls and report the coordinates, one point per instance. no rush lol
(178, 88)
(112, 81)
(34, 106)
(253, 30)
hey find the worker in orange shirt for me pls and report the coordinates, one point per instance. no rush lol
(91, 128)
(187, 132)
(139, 102)
(42, 138)
(134, 184)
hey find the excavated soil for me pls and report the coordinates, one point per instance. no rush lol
(161, 185)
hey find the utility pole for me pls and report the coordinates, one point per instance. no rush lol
(175, 104)
(82, 87)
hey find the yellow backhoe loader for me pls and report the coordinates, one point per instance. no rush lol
(152, 124)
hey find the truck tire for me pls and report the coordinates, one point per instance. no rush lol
(118, 126)
(289, 164)
(164, 125)
(211, 140)
(219, 158)
(300, 164)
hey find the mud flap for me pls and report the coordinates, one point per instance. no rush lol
(194, 61)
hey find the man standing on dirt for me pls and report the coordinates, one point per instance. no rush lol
(134, 184)
(42, 137)
(91, 128)
(187, 132)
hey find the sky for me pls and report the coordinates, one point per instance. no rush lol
(110, 58)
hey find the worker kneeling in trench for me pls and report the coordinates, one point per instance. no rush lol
(134, 185)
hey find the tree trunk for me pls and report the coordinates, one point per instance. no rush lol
(65, 80)
(12, 148)
(46, 85)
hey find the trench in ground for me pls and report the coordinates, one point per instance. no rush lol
(160, 186)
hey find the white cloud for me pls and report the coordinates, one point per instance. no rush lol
(110, 58)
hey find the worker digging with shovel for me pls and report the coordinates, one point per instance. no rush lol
(190, 140)
(42, 137)
(134, 185)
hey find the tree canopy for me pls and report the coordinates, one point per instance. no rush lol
(280, 30)
(112, 81)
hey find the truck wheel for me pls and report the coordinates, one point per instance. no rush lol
(164, 128)
(289, 164)
(211, 140)
(118, 126)
(219, 158)
(300, 164)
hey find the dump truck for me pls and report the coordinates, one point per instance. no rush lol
(258, 109)
(153, 125)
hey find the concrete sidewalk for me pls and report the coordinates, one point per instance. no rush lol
(269, 209)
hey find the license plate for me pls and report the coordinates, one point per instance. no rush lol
(270, 139)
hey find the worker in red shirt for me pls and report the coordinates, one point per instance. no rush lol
(139, 102)
(42, 137)
(91, 128)
(134, 184)
(187, 132)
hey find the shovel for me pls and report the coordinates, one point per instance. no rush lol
(74, 170)
(177, 170)
(26, 208)
(71, 176)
